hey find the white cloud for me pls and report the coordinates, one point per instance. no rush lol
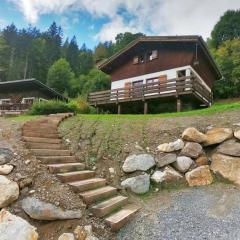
(115, 26)
(169, 17)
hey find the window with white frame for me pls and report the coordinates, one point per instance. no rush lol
(135, 60)
(28, 100)
(5, 101)
(153, 55)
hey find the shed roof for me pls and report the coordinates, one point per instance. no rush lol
(164, 39)
(30, 84)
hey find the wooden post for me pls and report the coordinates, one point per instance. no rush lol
(97, 109)
(119, 108)
(179, 105)
(145, 107)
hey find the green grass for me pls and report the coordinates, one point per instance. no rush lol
(23, 118)
(216, 108)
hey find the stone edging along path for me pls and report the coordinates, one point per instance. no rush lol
(42, 139)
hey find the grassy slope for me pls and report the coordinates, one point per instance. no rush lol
(216, 108)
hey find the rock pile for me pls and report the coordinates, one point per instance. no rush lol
(187, 159)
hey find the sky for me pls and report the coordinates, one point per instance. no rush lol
(92, 21)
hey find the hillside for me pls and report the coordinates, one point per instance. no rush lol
(104, 141)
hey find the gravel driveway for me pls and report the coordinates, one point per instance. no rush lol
(211, 212)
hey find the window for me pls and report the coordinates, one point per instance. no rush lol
(137, 88)
(153, 55)
(138, 59)
(152, 80)
(135, 60)
(28, 100)
(5, 101)
(141, 59)
(181, 73)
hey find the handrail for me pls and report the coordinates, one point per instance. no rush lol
(176, 86)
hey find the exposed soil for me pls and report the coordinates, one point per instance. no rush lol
(47, 187)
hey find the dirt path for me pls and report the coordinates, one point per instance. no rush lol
(210, 212)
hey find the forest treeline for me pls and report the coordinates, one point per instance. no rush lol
(71, 69)
(64, 66)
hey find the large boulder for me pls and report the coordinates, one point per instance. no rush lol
(183, 163)
(199, 176)
(141, 162)
(192, 150)
(227, 166)
(202, 160)
(193, 135)
(237, 134)
(66, 236)
(171, 147)
(14, 227)
(230, 147)
(40, 210)
(167, 175)
(6, 155)
(218, 135)
(9, 191)
(5, 169)
(139, 184)
(165, 159)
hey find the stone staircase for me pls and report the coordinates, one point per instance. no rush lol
(104, 201)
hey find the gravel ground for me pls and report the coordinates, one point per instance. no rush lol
(210, 212)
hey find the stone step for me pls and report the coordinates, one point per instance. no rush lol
(39, 129)
(120, 218)
(40, 134)
(50, 152)
(65, 167)
(42, 140)
(54, 146)
(75, 176)
(104, 208)
(88, 184)
(58, 159)
(99, 194)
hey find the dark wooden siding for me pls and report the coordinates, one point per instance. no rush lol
(170, 56)
(23, 94)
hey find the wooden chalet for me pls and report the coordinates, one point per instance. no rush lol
(158, 71)
(17, 96)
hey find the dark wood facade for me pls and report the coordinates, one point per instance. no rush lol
(19, 95)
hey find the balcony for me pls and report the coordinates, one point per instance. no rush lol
(177, 88)
(13, 108)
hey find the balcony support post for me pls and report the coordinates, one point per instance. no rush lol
(145, 107)
(179, 104)
(97, 109)
(119, 108)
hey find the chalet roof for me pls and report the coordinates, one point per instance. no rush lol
(164, 39)
(30, 84)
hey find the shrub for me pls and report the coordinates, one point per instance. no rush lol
(52, 106)
(83, 106)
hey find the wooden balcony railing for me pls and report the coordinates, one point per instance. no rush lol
(171, 87)
(14, 107)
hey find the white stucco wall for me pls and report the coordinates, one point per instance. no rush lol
(171, 74)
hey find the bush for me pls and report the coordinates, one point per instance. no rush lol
(78, 105)
(52, 106)
(83, 106)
